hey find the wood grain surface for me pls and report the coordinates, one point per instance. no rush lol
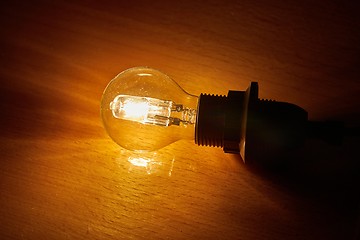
(61, 176)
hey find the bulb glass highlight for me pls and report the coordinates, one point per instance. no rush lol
(144, 109)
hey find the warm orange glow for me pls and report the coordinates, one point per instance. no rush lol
(62, 177)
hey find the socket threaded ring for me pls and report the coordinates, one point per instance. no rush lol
(209, 129)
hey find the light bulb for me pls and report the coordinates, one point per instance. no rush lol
(144, 109)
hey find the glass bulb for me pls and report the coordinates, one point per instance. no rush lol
(144, 109)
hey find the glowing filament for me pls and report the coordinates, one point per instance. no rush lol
(142, 109)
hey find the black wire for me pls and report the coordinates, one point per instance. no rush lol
(352, 132)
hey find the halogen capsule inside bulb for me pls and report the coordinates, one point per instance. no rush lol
(144, 109)
(150, 111)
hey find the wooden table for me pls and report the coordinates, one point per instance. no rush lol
(62, 177)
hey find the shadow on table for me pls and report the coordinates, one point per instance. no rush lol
(328, 173)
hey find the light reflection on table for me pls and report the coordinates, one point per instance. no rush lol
(155, 162)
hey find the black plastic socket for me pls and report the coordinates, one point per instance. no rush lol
(242, 123)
